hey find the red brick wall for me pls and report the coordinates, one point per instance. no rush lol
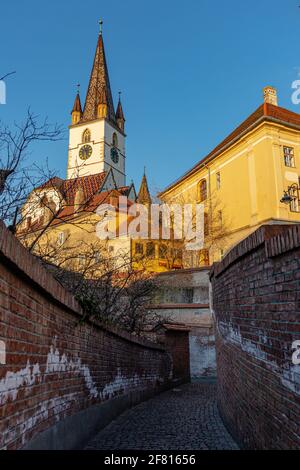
(54, 365)
(256, 302)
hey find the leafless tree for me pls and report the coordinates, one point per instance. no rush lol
(17, 178)
(7, 75)
(107, 287)
(215, 230)
(106, 283)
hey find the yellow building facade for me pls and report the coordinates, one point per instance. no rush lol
(242, 181)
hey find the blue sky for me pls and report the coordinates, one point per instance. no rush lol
(189, 71)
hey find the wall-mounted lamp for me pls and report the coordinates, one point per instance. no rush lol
(292, 193)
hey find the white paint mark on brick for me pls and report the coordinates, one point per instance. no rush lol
(13, 381)
(58, 406)
(57, 363)
(288, 374)
(233, 335)
(2, 352)
(121, 383)
(291, 379)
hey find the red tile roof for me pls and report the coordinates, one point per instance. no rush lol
(93, 198)
(90, 185)
(265, 112)
(54, 182)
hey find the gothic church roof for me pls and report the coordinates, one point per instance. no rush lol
(99, 91)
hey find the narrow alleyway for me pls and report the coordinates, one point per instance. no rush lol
(185, 418)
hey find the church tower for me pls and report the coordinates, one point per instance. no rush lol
(97, 134)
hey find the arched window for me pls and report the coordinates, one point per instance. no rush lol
(202, 190)
(86, 136)
(115, 140)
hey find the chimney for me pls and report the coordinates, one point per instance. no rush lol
(270, 95)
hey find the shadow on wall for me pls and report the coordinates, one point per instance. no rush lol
(256, 304)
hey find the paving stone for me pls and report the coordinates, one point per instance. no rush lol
(185, 420)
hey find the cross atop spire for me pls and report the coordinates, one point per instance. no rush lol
(101, 26)
(99, 86)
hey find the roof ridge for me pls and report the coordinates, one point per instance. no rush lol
(265, 110)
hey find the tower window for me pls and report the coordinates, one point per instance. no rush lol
(289, 159)
(202, 190)
(86, 136)
(115, 140)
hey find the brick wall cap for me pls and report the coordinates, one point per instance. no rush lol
(277, 239)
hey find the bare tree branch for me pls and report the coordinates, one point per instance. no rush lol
(7, 75)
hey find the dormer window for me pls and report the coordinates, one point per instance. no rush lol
(86, 136)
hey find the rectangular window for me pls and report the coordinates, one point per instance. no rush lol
(188, 295)
(289, 158)
(218, 180)
(163, 251)
(139, 249)
(150, 250)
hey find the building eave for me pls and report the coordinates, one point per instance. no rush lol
(229, 144)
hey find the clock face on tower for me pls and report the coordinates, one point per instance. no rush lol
(85, 152)
(114, 154)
